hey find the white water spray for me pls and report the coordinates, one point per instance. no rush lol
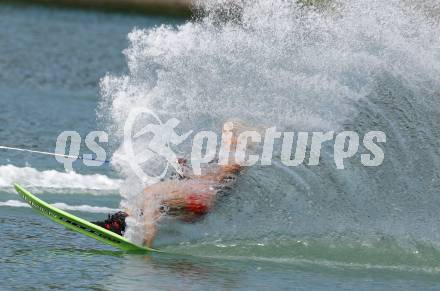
(362, 65)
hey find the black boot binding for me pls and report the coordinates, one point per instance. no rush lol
(114, 222)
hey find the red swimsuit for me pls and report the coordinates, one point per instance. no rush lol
(198, 203)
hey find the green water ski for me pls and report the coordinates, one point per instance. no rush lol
(80, 225)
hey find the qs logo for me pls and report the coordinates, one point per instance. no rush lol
(163, 136)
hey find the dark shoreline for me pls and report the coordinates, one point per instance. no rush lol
(179, 8)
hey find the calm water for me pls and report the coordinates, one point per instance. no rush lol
(51, 61)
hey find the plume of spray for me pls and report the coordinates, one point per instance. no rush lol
(297, 67)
